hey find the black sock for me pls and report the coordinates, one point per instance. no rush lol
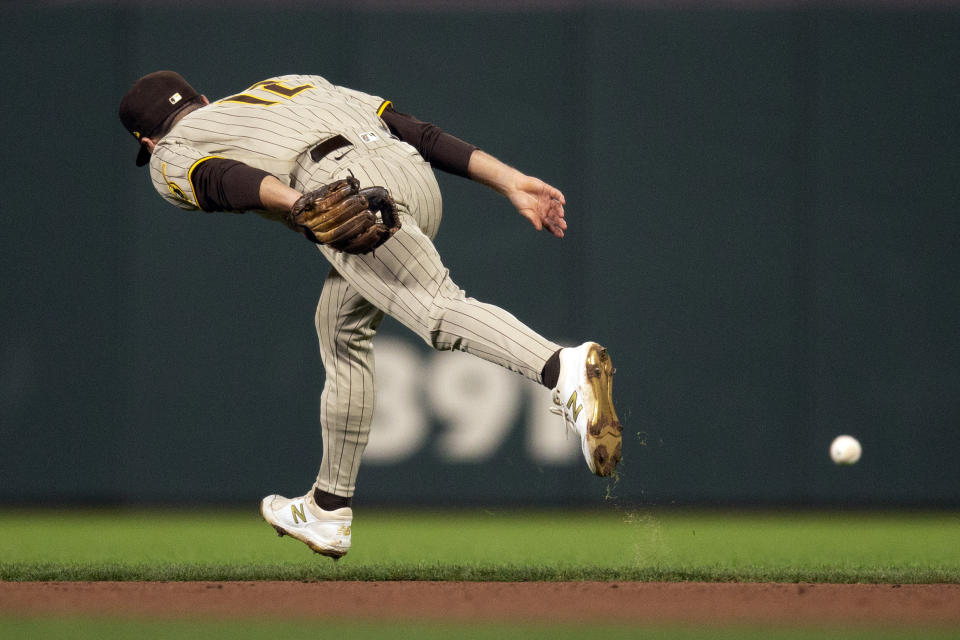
(328, 501)
(551, 371)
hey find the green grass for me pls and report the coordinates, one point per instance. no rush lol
(612, 544)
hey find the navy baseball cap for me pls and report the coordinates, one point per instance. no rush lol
(149, 102)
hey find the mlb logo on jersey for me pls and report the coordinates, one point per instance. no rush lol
(369, 136)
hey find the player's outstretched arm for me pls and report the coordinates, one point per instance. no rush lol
(536, 200)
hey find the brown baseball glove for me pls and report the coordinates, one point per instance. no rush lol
(345, 217)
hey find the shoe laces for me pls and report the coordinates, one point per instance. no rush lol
(558, 409)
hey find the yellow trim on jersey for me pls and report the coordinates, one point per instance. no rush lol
(245, 98)
(276, 87)
(173, 186)
(282, 90)
(383, 107)
(190, 173)
(260, 84)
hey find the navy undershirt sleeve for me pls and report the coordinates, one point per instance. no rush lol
(227, 185)
(442, 150)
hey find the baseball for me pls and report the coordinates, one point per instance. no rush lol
(845, 450)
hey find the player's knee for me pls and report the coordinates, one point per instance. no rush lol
(439, 334)
(445, 342)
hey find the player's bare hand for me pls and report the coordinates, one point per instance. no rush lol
(539, 203)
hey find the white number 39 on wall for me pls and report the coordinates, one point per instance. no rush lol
(475, 403)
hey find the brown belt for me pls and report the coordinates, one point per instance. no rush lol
(328, 146)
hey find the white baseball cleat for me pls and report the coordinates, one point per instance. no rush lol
(326, 532)
(584, 397)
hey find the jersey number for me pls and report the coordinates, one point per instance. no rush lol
(277, 88)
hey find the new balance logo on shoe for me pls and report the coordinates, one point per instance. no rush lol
(325, 532)
(297, 511)
(572, 405)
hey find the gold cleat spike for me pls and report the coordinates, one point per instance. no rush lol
(604, 431)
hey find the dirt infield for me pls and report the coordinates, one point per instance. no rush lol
(897, 605)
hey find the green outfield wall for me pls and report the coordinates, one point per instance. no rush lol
(764, 210)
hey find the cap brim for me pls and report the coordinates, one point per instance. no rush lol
(143, 156)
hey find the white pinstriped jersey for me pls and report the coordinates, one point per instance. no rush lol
(272, 126)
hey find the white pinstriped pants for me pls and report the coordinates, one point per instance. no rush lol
(406, 279)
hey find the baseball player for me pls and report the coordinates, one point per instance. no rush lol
(355, 176)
